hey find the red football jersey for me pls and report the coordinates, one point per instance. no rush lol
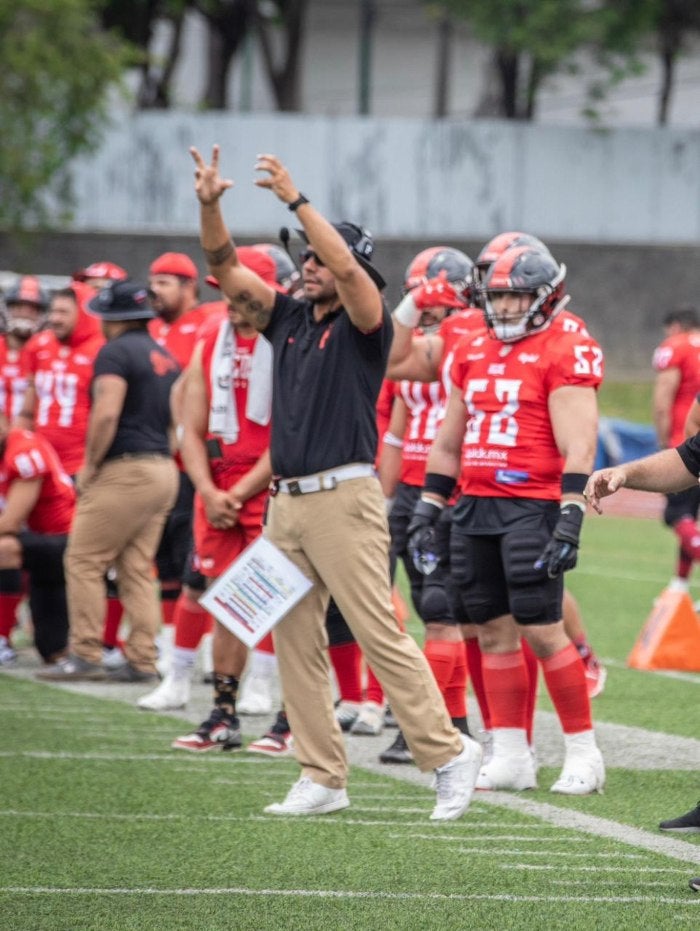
(29, 456)
(253, 438)
(509, 449)
(62, 373)
(180, 337)
(14, 374)
(681, 351)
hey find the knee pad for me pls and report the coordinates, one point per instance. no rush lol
(533, 596)
(477, 592)
(10, 581)
(434, 604)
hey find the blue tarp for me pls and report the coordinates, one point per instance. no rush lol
(620, 441)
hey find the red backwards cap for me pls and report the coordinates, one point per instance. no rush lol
(174, 263)
(101, 270)
(257, 261)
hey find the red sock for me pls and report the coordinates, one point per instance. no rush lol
(476, 677)
(566, 683)
(533, 672)
(374, 691)
(688, 533)
(113, 619)
(8, 612)
(167, 609)
(347, 659)
(506, 682)
(192, 622)
(684, 564)
(456, 691)
(266, 645)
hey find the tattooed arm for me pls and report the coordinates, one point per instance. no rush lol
(245, 290)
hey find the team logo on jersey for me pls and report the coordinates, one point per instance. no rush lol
(475, 356)
(526, 357)
(161, 363)
(497, 368)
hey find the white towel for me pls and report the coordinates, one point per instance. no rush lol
(223, 417)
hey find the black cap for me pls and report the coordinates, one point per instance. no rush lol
(122, 300)
(361, 245)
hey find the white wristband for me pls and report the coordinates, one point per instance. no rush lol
(392, 440)
(407, 314)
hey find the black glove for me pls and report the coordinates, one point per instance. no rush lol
(561, 552)
(420, 532)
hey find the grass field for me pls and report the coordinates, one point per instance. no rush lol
(104, 827)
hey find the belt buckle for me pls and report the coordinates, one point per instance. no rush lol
(294, 488)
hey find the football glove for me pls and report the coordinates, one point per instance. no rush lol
(422, 543)
(437, 292)
(560, 554)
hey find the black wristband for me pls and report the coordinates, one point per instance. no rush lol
(438, 484)
(573, 483)
(296, 204)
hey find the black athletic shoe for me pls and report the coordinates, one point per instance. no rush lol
(398, 752)
(695, 884)
(685, 824)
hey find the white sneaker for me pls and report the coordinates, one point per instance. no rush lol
(309, 798)
(486, 741)
(7, 654)
(172, 693)
(370, 720)
(346, 713)
(582, 774)
(112, 659)
(255, 696)
(455, 782)
(514, 772)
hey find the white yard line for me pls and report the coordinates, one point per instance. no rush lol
(349, 894)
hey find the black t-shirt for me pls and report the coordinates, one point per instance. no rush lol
(149, 371)
(690, 454)
(327, 378)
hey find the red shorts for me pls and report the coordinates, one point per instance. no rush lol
(214, 549)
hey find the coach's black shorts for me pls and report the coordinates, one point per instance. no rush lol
(682, 504)
(494, 545)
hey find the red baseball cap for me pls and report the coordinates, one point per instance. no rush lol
(257, 261)
(101, 270)
(174, 263)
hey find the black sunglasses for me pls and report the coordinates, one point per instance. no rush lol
(310, 254)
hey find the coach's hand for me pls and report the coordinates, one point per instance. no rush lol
(422, 542)
(561, 553)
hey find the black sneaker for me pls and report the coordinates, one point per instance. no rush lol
(398, 752)
(389, 719)
(72, 668)
(219, 732)
(695, 884)
(685, 824)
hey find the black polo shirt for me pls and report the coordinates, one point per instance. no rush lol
(327, 378)
(149, 372)
(690, 454)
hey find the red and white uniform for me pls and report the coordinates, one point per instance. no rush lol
(29, 456)
(62, 373)
(681, 351)
(215, 549)
(14, 377)
(180, 337)
(509, 449)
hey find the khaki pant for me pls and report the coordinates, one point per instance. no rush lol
(119, 521)
(339, 539)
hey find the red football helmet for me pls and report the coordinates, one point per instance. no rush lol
(527, 271)
(498, 245)
(430, 262)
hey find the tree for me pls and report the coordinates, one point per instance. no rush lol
(531, 39)
(229, 22)
(282, 21)
(57, 67)
(135, 21)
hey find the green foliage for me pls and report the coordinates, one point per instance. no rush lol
(57, 69)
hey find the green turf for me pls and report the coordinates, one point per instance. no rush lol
(94, 800)
(628, 400)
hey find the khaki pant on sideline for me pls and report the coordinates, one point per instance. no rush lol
(339, 539)
(119, 521)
